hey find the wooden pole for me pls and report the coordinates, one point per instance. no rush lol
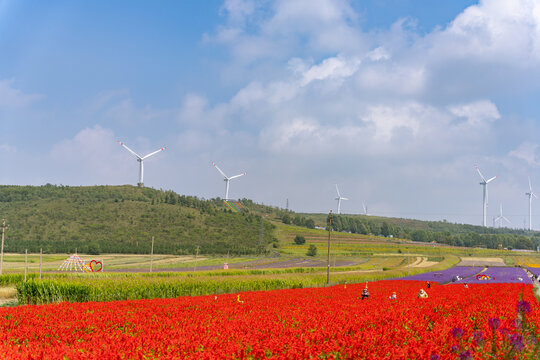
(25, 262)
(40, 261)
(196, 254)
(2, 251)
(152, 254)
(328, 259)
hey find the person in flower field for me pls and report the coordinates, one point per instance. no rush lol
(422, 294)
(393, 296)
(365, 293)
(428, 285)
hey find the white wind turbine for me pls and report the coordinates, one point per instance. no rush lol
(530, 194)
(365, 208)
(501, 218)
(141, 159)
(485, 201)
(227, 180)
(339, 198)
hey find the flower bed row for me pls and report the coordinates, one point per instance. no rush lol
(497, 275)
(446, 276)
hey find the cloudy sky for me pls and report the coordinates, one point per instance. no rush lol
(394, 100)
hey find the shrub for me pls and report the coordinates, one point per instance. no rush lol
(299, 240)
(312, 251)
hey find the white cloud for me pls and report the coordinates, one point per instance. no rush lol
(477, 113)
(11, 97)
(528, 152)
(493, 31)
(331, 68)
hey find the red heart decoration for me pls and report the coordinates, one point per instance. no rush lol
(93, 265)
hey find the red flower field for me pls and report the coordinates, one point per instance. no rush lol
(333, 323)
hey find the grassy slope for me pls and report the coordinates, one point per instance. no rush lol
(122, 219)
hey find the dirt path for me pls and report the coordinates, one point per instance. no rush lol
(425, 263)
(481, 261)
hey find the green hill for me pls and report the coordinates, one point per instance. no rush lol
(425, 231)
(122, 219)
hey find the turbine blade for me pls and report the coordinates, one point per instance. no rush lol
(508, 221)
(235, 176)
(493, 178)
(155, 152)
(482, 176)
(344, 198)
(337, 189)
(131, 151)
(222, 173)
(530, 187)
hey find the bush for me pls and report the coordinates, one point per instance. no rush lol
(299, 240)
(312, 251)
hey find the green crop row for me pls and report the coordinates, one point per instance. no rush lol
(47, 291)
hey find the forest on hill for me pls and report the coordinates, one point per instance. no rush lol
(123, 219)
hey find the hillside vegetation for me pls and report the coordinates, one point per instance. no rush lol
(423, 231)
(123, 219)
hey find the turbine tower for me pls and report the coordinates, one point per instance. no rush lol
(501, 218)
(339, 198)
(485, 201)
(530, 194)
(141, 159)
(227, 180)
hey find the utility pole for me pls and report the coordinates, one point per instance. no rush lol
(2, 251)
(261, 236)
(152, 254)
(25, 262)
(196, 254)
(328, 259)
(40, 261)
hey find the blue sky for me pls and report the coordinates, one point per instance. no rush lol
(394, 100)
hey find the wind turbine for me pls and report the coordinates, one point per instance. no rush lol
(339, 198)
(365, 208)
(530, 194)
(140, 159)
(485, 201)
(501, 218)
(227, 180)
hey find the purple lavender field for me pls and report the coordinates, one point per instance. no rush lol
(535, 271)
(498, 275)
(445, 276)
